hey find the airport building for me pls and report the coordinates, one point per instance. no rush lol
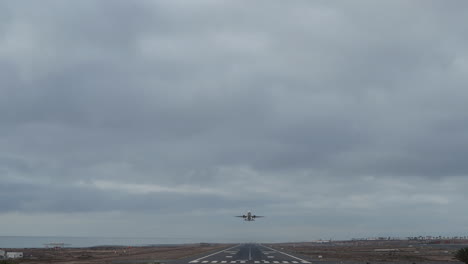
(2, 254)
(14, 255)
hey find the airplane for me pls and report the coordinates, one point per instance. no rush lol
(249, 216)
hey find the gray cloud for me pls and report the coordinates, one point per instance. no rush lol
(68, 199)
(350, 111)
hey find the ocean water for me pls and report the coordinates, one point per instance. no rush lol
(40, 241)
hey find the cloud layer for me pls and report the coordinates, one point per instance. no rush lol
(335, 119)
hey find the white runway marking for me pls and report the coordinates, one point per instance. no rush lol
(270, 256)
(205, 261)
(284, 261)
(275, 261)
(302, 260)
(196, 260)
(266, 261)
(228, 256)
(242, 261)
(223, 261)
(257, 261)
(295, 262)
(233, 261)
(214, 261)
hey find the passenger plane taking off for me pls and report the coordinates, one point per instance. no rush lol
(249, 216)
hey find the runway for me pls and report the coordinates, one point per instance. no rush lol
(249, 254)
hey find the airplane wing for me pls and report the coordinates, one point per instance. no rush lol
(257, 216)
(243, 216)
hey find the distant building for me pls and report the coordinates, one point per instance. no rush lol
(14, 255)
(2, 254)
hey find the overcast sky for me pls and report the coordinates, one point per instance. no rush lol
(335, 119)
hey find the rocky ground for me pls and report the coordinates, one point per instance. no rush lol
(106, 255)
(403, 251)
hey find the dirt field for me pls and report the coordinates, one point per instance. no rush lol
(375, 251)
(108, 254)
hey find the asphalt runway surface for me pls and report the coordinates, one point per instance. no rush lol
(248, 254)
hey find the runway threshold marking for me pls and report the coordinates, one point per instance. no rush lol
(245, 261)
(302, 260)
(198, 259)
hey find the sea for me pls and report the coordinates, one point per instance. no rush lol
(77, 242)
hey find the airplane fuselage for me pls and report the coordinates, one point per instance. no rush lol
(249, 217)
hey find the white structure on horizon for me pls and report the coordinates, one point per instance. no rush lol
(14, 255)
(2, 254)
(56, 245)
